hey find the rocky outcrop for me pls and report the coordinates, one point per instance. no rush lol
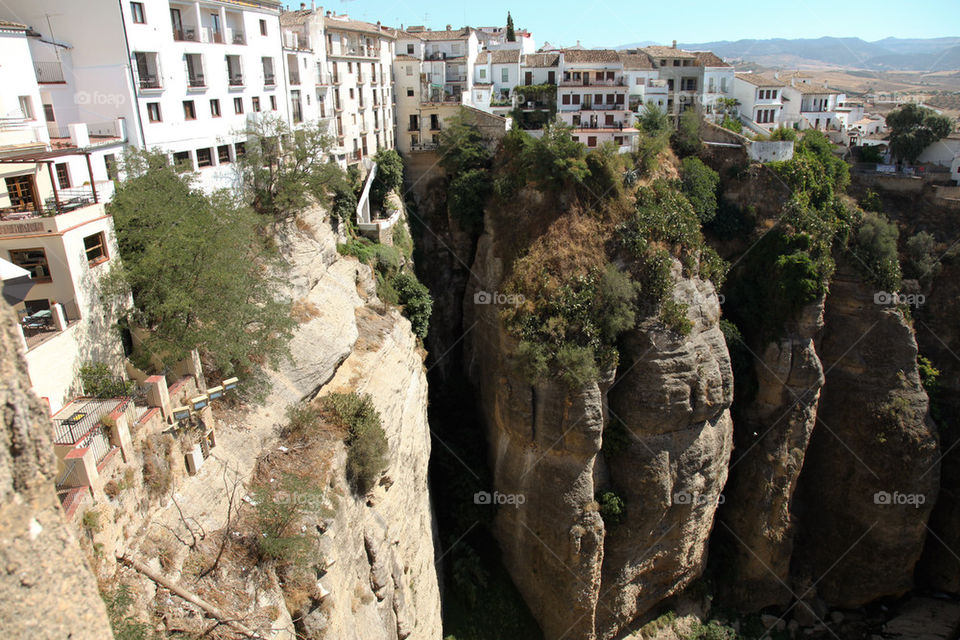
(580, 577)
(46, 588)
(771, 439)
(871, 473)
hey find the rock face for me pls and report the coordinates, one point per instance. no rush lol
(771, 442)
(46, 588)
(872, 470)
(581, 578)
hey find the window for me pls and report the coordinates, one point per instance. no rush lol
(95, 247)
(576, 98)
(48, 113)
(408, 69)
(63, 176)
(609, 75)
(599, 75)
(591, 141)
(273, 103)
(153, 112)
(34, 261)
(349, 67)
(110, 164)
(182, 161)
(611, 98)
(215, 108)
(619, 98)
(598, 98)
(256, 104)
(223, 154)
(136, 11)
(504, 75)
(263, 27)
(409, 93)
(189, 110)
(639, 81)
(204, 158)
(239, 149)
(351, 93)
(565, 99)
(238, 105)
(26, 107)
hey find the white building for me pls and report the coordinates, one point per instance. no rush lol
(184, 76)
(592, 98)
(815, 107)
(761, 101)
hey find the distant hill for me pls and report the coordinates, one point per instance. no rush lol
(932, 54)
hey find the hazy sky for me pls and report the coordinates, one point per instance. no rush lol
(606, 23)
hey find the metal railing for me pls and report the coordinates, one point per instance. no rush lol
(294, 77)
(67, 479)
(196, 80)
(150, 81)
(48, 72)
(98, 441)
(269, 79)
(74, 428)
(236, 80)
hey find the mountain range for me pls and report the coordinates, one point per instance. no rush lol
(891, 54)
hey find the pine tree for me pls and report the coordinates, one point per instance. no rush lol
(511, 36)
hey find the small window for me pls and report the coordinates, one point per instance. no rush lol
(204, 158)
(565, 99)
(273, 103)
(351, 93)
(576, 98)
(505, 75)
(34, 261)
(63, 176)
(409, 93)
(609, 75)
(153, 112)
(48, 113)
(239, 149)
(408, 69)
(410, 49)
(349, 67)
(136, 11)
(238, 105)
(483, 74)
(110, 164)
(182, 161)
(263, 27)
(591, 141)
(223, 154)
(256, 104)
(215, 108)
(26, 107)
(189, 110)
(95, 247)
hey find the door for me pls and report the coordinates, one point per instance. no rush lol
(215, 27)
(528, 78)
(177, 24)
(22, 191)
(551, 77)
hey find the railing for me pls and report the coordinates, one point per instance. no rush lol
(69, 431)
(238, 37)
(98, 442)
(423, 146)
(294, 77)
(104, 130)
(236, 80)
(196, 80)
(150, 81)
(587, 82)
(269, 79)
(602, 107)
(48, 72)
(324, 78)
(66, 478)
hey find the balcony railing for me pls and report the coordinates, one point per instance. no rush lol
(150, 81)
(196, 81)
(590, 82)
(269, 79)
(423, 146)
(83, 426)
(236, 80)
(294, 78)
(48, 72)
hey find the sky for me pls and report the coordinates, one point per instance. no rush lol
(599, 23)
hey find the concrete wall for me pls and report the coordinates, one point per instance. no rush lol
(770, 151)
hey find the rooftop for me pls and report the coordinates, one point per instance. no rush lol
(448, 34)
(505, 56)
(295, 18)
(14, 26)
(636, 61)
(709, 59)
(580, 56)
(810, 89)
(658, 51)
(344, 23)
(760, 80)
(539, 60)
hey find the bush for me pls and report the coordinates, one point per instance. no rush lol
(652, 120)
(302, 420)
(360, 248)
(731, 124)
(875, 249)
(612, 509)
(686, 139)
(402, 240)
(416, 301)
(674, 315)
(871, 153)
(700, 185)
(279, 507)
(871, 201)
(389, 175)
(98, 381)
(922, 261)
(784, 133)
(367, 448)
(344, 203)
(466, 196)
(122, 622)
(577, 365)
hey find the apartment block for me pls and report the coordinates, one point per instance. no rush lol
(592, 97)
(760, 99)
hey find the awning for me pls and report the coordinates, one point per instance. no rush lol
(16, 282)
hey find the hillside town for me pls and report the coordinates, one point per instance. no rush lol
(191, 80)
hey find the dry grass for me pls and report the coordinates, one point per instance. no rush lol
(303, 311)
(305, 227)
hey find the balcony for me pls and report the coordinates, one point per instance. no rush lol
(589, 82)
(423, 146)
(66, 201)
(293, 77)
(324, 79)
(269, 80)
(236, 36)
(149, 82)
(296, 41)
(196, 81)
(49, 72)
(235, 80)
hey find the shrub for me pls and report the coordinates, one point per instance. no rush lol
(344, 203)
(91, 522)
(157, 467)
(532, 360)
(875, 249)
(367, 448)
(616, 437)
(653, 120)
(278, 508)
(922, 261)
(577, 365)
(402, 240)
(871, 201)
(302, 419)
(466, 196)
(389, 175)
(700, 185)
(612, 509)
(123, 624)
(686, 139)
(784, 133)
(360, 248)
(98, 381)
(674, 315)
(871, 153)
(731, 124)
(416, 301)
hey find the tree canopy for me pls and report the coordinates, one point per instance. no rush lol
(914, 128)
(511, 35)
(197, 269)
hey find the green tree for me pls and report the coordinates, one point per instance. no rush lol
(389, 175)
(511, 36)
(199, 274)
(98, 381)
(367, 448)
(913, 128)
(686, 139)
(700, 185)
(461, 146)
(653, 120)
(875, 248)
(282, 170)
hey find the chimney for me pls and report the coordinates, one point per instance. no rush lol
(449, 27)
(378, 25)
(328, 14)
(303, 6)
(674, 44)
